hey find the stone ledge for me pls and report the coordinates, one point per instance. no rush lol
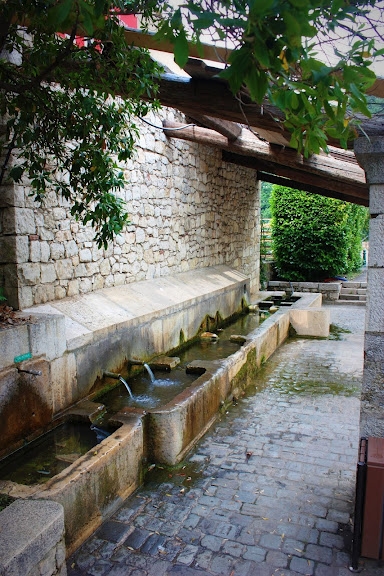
(32, 539)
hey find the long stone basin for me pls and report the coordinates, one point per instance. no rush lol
(94, 486)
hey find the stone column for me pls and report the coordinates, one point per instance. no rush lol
(370, 155)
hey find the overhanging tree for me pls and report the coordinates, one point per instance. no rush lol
(71, 131)
(315, 237)
(63, 66)
(288, 54)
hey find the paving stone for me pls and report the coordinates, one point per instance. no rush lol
(187, 555)
(113, 531)
(319, 553)
(302, 566)
(222, 565)
(137, 538)
(211, 542)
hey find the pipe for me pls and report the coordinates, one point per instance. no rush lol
(111, 375)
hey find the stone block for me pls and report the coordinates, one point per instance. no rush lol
(48, 273)
(310, 322)
(376, 202)
(64, 269)
(43, 293)
(47, 336)
(376, 235)
(63, 381)
(14, 249)
(30, 531)
(15, 346)
(375, 294)
(28, 273)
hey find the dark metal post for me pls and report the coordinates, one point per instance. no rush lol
(361, 475)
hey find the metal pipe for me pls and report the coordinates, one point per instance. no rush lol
(111, 375)
(33, 372)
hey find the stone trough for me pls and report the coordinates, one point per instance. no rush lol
(93, 486)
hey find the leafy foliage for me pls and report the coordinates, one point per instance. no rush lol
(275, 57)
(265, 195)
(315, 237)
(60, 100)
(71, 87)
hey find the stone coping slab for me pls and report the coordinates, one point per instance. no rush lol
(30, 530)
(104, 308)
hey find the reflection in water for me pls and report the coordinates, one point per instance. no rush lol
(49, 454)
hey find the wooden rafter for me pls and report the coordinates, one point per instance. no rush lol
(346, 179)
(208, 52)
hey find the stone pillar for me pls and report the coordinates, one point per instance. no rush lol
(370, 155)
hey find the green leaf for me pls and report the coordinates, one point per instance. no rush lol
(16, 173)
(181, 49)
(257, 84)
(60, 12)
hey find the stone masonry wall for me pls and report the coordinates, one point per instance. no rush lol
(188, 209)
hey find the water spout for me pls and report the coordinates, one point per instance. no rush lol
(151, 374)
(111, 375)
(101, 434)
(127, 387)
(289, 291)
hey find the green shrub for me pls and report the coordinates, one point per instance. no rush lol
(315, 237)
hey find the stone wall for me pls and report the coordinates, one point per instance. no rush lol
(329, 290)
(188, 210)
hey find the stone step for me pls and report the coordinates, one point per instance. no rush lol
(354, 291)
(354, 284)
(353, 297)
(351, 302)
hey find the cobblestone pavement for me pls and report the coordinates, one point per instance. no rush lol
(268, 491)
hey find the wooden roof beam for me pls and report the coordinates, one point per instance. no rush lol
(207, 52)
(249, 145)
(302, 180)
(274, 179)
(148, 40)
(231, 130)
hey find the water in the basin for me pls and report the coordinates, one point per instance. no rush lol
(148, 394)
(48, 455)
(163, 386)
(223, 347)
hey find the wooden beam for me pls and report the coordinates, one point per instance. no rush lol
(209, 52)
(230, 130)
(213, 98)
(304, 180)
(147, 40)
(274, 179)
(323, 166)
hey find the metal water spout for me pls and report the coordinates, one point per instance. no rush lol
(119, 377)
(27, 371)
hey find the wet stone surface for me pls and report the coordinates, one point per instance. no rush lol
(268, 491)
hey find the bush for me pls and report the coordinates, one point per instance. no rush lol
(315, 237)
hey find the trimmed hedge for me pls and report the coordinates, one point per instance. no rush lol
(315, 237)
